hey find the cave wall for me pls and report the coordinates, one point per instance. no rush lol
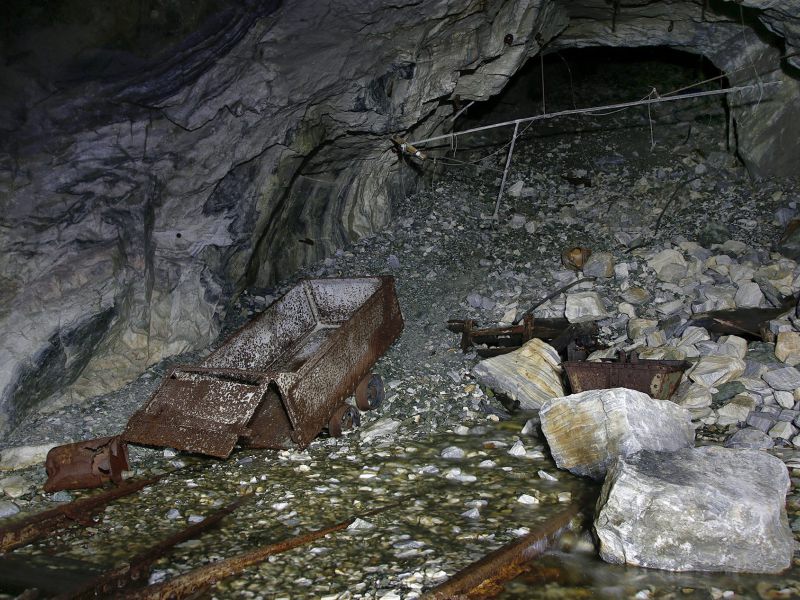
(135, 205)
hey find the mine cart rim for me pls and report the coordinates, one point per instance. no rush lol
(370, 393)
(344, 418)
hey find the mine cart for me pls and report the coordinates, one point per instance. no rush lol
(658, 378)
(284, 377)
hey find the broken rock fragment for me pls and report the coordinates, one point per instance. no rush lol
(585, 306)
(711, 371)
(697, 509)
(587, 431)
(529, 375)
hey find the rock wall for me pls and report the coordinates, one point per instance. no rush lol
(136, 205)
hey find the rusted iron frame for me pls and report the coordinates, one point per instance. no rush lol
(117, 578)
(484, 577)
(188, 584)
(559, 332)
(31, 528)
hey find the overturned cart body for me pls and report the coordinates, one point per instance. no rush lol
(282, 378)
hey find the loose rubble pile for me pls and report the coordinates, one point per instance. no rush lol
(675, 232)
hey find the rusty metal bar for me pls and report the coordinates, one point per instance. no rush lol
(117, 578)
(29, 529)
(484, 578)
(188, 584)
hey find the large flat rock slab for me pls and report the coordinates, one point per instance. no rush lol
(587, 431)
(697, 509)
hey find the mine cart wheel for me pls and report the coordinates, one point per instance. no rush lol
(370, 392)
(345, 418)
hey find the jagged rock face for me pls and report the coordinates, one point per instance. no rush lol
(136, 205)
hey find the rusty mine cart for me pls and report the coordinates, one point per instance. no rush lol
(282, 378)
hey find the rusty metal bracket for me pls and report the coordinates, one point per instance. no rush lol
(86, 464)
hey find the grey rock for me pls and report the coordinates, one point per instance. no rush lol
(786, 379)
(587, 431)
(599, 264)
(761, 420)
(783, 430)
(715, 370)
(736, 411)
(749, 295)
(8, 509)
(673, 510)
(393, 262)
(750, 437)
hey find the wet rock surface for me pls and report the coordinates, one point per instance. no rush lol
(697, 509)
(441, 444)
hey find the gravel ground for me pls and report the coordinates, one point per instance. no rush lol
(440, 447)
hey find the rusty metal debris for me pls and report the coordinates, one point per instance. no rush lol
(658, 378)
(281, 379)
(138, 567)
(484, 578)
(189, 584)
(750, 322)
(26, 530)
(565, 337)
(86, 464)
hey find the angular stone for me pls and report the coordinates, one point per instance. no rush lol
(750, 437)
(783, 430)
(639, 328)
(761, 420)
(587, 431)
(715, 370)
(785, 399)
(748, 295)
(636, 295)
(697, 509)
(529, 375)
(736, 411)
(787, 347)
(732, 345)
(584, 306)
(785, 380)
(693, 335)
(669, 265)
(693, 396)
(14, 486)
(599, 264)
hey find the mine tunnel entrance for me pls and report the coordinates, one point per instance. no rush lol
(579, 78)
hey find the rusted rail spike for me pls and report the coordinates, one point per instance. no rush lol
(115, 579)
(484, 578)
(27, 530)
(188, 584)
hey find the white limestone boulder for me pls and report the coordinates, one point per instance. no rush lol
(587, 431)
(530, 375)
(696, 509)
